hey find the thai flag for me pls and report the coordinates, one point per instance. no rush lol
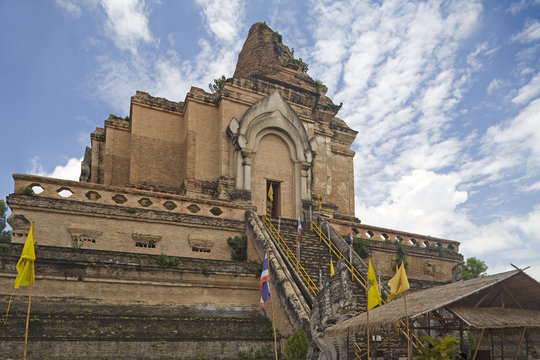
(350, 239)
(263, 282)
(299, 227)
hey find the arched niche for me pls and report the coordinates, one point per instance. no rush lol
(271, 116)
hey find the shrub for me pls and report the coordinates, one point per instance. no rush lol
(239, 247)
(361, 247)
(446, 348)
(254, 267)
(24, 190)
(165, 260)
(401, 256)
(297, 345)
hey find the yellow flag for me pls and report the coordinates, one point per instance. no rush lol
(271, 193)
(331, 268)
(25, 265)
(398, 283)
(372, 290)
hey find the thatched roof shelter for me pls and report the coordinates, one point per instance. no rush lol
(497, 318)
(505, 300)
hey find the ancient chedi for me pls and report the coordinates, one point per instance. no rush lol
(174, 180)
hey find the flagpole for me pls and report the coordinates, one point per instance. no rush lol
(408, 331)
(273, 317)
(367, 331)
(27, 319)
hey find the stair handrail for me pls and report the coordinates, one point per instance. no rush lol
(290, 255)
(334, 250)
(325, 239)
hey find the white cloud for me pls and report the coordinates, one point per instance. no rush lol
(533, 187)
(530, 33)
(494, 85)
(127, 23)
(517, 136)
(70, 7)
(222, 18)
(481, 50)
(528, 91)
(502, 242)
(517, 6)
(421, 201)
(70, 171)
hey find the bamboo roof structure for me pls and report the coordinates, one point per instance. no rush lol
(497, 318)
(487, 295)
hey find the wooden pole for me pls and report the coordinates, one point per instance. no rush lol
(297, 252)
(274, 327)
(367, 333)
(347, 344)
(519, 343)
(478, 344)
(492, 346)
(502, 344)
(27, 319)
(408, 333)
(273, 316)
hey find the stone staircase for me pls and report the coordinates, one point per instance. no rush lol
(312, 253)
(345, 292)
(315, 255)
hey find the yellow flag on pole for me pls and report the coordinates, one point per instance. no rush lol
(25, 265)
(331, 268)
(398, 283)
(372, 290)
(270, 193)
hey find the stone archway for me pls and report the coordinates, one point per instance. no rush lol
(272, 162)
(270, 123)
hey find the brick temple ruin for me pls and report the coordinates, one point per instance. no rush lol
(136, 252)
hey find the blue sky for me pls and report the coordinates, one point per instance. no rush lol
(445, 96)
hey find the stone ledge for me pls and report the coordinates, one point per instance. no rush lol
(53, 260)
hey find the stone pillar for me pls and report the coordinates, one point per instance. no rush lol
(304, 182)
(239, 170)
(247, 169)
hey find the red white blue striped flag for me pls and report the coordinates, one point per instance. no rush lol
(263, 282)
(299, 227)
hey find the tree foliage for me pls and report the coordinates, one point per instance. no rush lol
(438, 349)
(473, 268)
(218, 84)
(297, 345)
(5, 235)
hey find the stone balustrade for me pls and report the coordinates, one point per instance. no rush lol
(395, 236)
(126, 197)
